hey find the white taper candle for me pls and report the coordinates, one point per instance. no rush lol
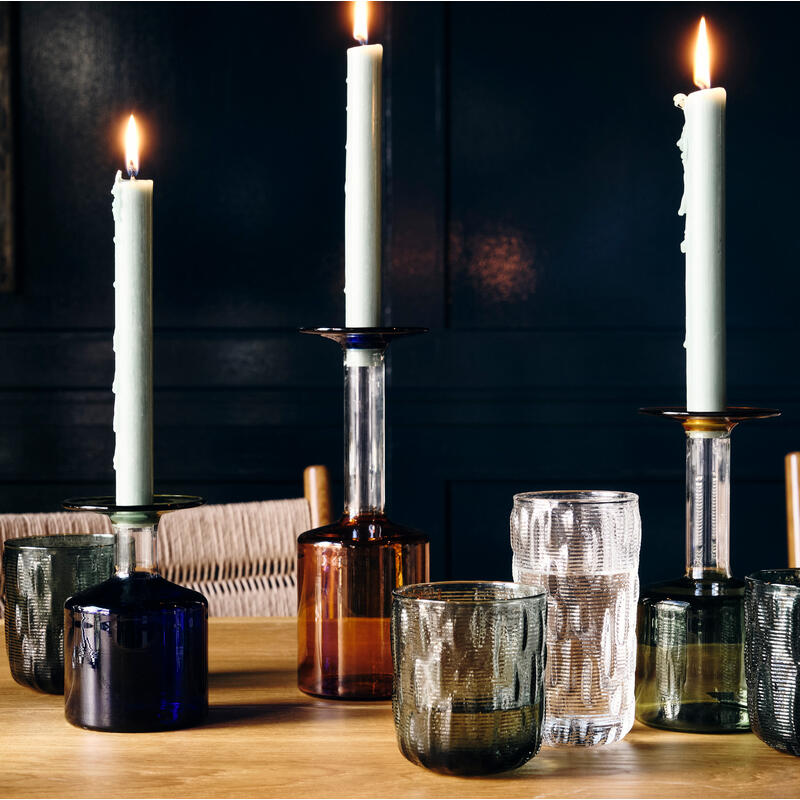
(702, 146)
(362, 244)
(133, 340)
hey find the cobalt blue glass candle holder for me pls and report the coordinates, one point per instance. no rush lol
(136, 645)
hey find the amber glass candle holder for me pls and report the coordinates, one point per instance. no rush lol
(347, 571)
(136, 645)
(690, 672)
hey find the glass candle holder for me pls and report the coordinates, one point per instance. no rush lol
(468, 675)
(40, 573)
(346, 571)
(772, 657)
(690, 670)
(583, 547)
(136, 645)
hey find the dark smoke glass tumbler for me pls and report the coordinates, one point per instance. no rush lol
(40, 573)
(772, 656)
(469, 675)
(346, 571)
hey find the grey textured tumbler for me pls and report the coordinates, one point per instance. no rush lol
(40, 573)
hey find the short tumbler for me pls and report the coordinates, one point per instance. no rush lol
(772, 656)
(468, 674)
(40, 573)
(583, 547)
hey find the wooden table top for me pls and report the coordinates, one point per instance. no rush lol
(264, 738)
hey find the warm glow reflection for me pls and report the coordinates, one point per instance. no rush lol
(132, 148)
(360, 21)
(702, 58)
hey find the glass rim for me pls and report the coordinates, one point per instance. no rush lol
(527, 592)
(775, 578)
(593, 496)
(61, 541)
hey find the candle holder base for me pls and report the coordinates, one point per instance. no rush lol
(690, 667)
(136, 645)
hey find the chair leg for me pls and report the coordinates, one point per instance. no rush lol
(792, 464)
(317, 490)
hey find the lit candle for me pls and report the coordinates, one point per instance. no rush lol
(702, 147)
(133, 334)
(362, 223)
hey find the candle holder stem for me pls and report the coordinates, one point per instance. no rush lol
(690, 667)
(708, 459)
(346, 571)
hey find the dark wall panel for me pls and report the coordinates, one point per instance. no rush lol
(531, 189)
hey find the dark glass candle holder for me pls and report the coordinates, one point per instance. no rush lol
(690, 667)
(136, 645)
(346, 571)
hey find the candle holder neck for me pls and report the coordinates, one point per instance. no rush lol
(708, 455)
(136, 548)
(365, 433)
(135, 528)
(364, 415)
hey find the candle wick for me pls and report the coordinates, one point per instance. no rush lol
(132, 171)
(362, 40)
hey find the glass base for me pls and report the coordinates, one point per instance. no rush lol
(136, 655)
(346, 573)
(690, 665)
(587, 731)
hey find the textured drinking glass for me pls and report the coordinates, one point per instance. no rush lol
(583, 548)
(772, 656)
(40, 573)
(468, 674)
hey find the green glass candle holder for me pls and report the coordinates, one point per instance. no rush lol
(690, 673)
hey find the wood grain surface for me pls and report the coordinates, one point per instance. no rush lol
(264, 739)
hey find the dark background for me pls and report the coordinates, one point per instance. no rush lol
(531, 189)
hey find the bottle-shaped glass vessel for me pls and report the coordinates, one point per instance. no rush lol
(690, 666)
(346, 571)
(136, 645)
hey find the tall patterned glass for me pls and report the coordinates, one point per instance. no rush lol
(583, 547)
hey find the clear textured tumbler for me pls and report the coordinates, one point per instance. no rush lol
(583, 547)
(468, 674)
(40, 573)
(772, 656)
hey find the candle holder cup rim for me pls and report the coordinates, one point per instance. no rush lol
(515, 592)
(363, 338)
(730, 413)
(130, 515)
(162, 503)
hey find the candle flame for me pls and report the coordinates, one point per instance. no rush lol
(132, 148)
(360, 21)
(702, 58)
